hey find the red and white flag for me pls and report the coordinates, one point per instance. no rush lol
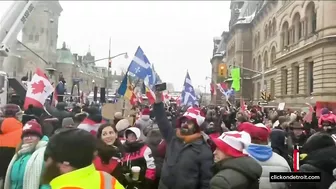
(38, 90)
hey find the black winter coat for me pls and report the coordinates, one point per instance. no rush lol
(186, 166)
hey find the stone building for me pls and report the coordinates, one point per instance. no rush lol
(75, 68)
(290, 43)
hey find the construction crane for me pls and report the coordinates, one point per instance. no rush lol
(11, 23)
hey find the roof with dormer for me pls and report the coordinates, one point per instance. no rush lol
(64, 55)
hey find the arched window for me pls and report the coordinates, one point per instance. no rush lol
(270, 29)
(259, 64)
(297, 27)
(266, 60)
(273, 55)
(265, 32)
(285, 34)
(254, 66)
(274, 25)
(311, 18)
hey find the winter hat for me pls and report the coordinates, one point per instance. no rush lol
(134, 130)
(145, 111)
(325, 111)
(122, 125)
(73, 146)
(118, 115)
(317, 141)
(32, 127)
(192, 114)
(10, 110)
(233, 143)
(67, 122)
(258, 131)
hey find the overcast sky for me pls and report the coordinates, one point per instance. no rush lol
(176, 36)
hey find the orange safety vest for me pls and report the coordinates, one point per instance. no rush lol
(106, 182)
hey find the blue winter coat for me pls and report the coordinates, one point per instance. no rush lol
(18, 170)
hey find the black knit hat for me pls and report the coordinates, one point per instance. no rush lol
(317, 141)
(72, 145)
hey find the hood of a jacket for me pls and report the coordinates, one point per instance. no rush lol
(324, 159)
(260, 152)
(278, 138)
(245, 165)
(10, 125)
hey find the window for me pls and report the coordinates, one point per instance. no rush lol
(311, 18)
(297, 28)
(259, 64)
(31, 37)
(285, 35)
(273, 55)
(266, 60)
(284, 80)
(258, 91)
(266, 32)
(37, 37)
(296, 77)
(310, 77)
(272, 88)
(254, 66)
(274, 26)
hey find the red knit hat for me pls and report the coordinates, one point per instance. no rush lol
(258, 131)
(32, 127)
(145, 111)
(233, 143)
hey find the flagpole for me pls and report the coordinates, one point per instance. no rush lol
(109, 70)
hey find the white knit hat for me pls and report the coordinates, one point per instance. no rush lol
(233, 143)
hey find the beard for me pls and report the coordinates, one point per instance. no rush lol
(51, 171)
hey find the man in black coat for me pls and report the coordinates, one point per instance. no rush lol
(188, 158)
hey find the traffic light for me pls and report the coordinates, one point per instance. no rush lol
(110, 63)
(266, 96)
(222, 70)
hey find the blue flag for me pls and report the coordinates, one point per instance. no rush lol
(140, 66)
(188, 96)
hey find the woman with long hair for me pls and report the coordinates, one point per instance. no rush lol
(109, 151)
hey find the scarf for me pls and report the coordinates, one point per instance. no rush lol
(27, 148)
(33, 169)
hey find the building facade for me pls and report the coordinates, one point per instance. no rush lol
(285, 48)
(39, 36)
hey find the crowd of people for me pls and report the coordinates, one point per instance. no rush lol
(163, 148)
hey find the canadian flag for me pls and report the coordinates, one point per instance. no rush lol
(38, 90)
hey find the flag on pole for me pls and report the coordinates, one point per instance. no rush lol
(140, 65)
(235, 74)
(188, 96)
(126, 90)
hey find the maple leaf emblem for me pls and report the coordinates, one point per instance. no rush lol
(26, 127)
(38, 87)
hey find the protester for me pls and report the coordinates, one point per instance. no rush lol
(318, 155)
(262, 152)
(10, 138)
(68, 160)
(109, 152)
(26, 166)
(189, 158)
(92, 122)
(137, 153)
(68, 122)
(144, 121)
(121, 127)
(234, 169)
(117, 117)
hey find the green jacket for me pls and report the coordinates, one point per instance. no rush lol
(236, 173)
